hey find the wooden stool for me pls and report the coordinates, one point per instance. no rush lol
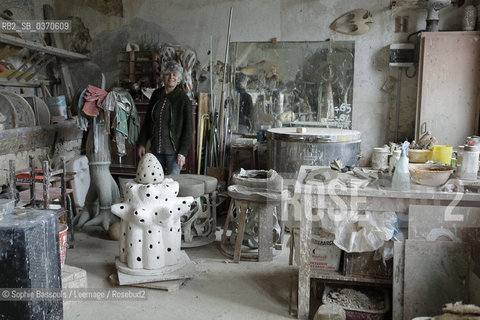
(234, 157)
(265, 226)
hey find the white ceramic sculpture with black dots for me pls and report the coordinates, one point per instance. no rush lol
(150, 235)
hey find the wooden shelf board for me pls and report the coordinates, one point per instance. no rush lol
(61, 53)
(337, 276)
(22, 83)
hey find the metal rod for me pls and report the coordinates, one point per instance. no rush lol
(212, 108)
(211, 77)
(227, 48)
(32, 180)
(222, 101)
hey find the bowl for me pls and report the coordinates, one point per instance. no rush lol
(430, 174)
(419, 155)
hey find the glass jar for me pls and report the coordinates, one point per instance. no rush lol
(467, 163)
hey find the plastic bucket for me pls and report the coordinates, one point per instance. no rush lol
(57, 106)
(62, 236)
(442, 154)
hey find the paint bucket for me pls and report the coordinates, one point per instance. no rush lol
(57, 106)
(62, 237)
(442, 154)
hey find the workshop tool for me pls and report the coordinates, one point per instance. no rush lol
(205, 119)
(213, 116)
(222, 101)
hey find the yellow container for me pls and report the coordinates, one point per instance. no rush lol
(442, 154)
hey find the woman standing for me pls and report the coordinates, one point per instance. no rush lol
(168, 122)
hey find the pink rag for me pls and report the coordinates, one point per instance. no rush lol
(93, 98)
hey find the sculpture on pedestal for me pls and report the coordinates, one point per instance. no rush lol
(150, 232)
(103, 189)
(94, 108)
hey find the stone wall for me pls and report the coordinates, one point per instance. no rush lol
(191, 22)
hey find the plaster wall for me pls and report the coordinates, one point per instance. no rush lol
(190, 23)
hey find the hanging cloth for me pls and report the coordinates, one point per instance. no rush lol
(93, 98)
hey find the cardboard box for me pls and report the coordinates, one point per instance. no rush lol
(324, 255)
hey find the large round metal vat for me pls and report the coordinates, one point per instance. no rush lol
(288, 150)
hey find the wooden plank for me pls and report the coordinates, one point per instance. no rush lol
(265, 234)
(167, 285)
(422, 219)
(127, 279)
(448, 101)
(398, 275)
(436, 273)
(336, 276)
(34, 83)
(18, 42)
(426, 221)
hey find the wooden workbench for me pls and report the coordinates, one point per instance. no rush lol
(316, 195)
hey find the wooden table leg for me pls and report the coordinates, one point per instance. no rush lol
(292, 245)
(230, 166)
(265, 231)
(227, 221)
(213, 208)
(241, 229)
(304, 267)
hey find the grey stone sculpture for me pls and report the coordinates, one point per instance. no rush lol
(103, 190)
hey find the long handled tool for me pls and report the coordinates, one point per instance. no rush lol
(222, 101)
(213, 116)
(203, 129)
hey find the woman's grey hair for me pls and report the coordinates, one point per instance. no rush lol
(173, 66)
(241, 81)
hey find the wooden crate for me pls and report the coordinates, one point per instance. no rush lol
(362, 264)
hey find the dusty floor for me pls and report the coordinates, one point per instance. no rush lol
(248, 290)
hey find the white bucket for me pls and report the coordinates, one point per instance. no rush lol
(57, 106)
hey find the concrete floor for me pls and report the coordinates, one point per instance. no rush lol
(248, 290)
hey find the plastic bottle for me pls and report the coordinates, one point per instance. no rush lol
(401, 175)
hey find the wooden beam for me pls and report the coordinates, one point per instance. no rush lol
(61, 53)
(22, 83)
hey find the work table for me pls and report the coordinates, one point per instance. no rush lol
(316, 196)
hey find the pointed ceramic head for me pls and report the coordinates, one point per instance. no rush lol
(149, 170)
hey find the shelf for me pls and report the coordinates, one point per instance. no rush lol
(333, 276)
(137, 61)
(61, 53)
(31, 138)
(23, 83)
